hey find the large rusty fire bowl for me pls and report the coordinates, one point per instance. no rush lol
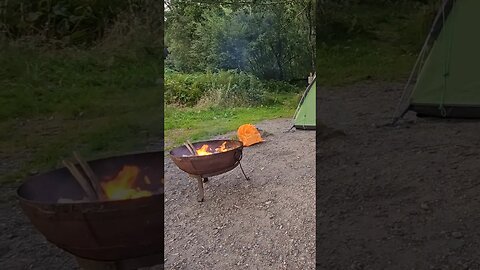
(202, 167)
(210, 165)
(103, 231)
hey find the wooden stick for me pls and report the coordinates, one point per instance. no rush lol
(84, 183)
(189, 149)
(192, 150)
(91, 175)
(193, 147)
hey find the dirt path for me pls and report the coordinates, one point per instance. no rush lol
(265, 223)
(403, 197)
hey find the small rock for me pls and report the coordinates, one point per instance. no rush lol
(456, 244)
(33, 172)
(457, 235)
(424, 206)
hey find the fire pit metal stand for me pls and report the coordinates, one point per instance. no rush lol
(202, 180)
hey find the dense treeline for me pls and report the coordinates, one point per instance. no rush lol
(269, 39)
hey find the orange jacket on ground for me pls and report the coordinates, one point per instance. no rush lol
(249, 135)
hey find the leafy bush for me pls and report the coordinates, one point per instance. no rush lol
(269, 41)
(72, 22)
(224, 88)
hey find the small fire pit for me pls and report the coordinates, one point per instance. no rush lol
(123, 231)
(210, 158)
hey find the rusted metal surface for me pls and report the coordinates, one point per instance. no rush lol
(104, 231)
(210, 165)
(202, 167)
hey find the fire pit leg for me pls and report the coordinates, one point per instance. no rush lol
(246, 177)
(205, 179)
(200, 189)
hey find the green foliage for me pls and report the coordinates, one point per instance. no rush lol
(224, 88)
(72, 22)
(270, 41)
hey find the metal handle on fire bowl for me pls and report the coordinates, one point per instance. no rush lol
(238, 154)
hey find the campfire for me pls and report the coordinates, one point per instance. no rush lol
(106, 212)
(206, 149)
(123, 185)
(202, 160)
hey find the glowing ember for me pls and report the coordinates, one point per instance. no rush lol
(122, 186)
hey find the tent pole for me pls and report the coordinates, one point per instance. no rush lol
(395, 118)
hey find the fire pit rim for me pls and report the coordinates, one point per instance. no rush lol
(96, 203)
(87, 203)
(206, 142)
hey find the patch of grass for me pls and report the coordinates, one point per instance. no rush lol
(54, 102)
(183, 124)
(386, 48)
(69, 82)
(343, 65)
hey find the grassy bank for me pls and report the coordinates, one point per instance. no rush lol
(201, 105)
(380, 41)
(196, 123)
(94, 101)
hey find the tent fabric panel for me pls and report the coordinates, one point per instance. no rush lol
(306, 115)
(457, 48)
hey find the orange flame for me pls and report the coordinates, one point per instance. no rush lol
(122, 186)
(205, 149)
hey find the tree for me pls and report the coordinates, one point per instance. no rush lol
(274, 41)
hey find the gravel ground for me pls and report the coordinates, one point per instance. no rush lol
(265, 223)
(404, 197)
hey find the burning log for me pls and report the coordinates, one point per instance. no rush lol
(190, 148)
(84, 183)
(86, 178)
(91, 175)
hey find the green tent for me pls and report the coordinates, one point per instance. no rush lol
(448, 83)
(305, 115)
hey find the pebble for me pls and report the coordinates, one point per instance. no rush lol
(457, 235)
(424, 206)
